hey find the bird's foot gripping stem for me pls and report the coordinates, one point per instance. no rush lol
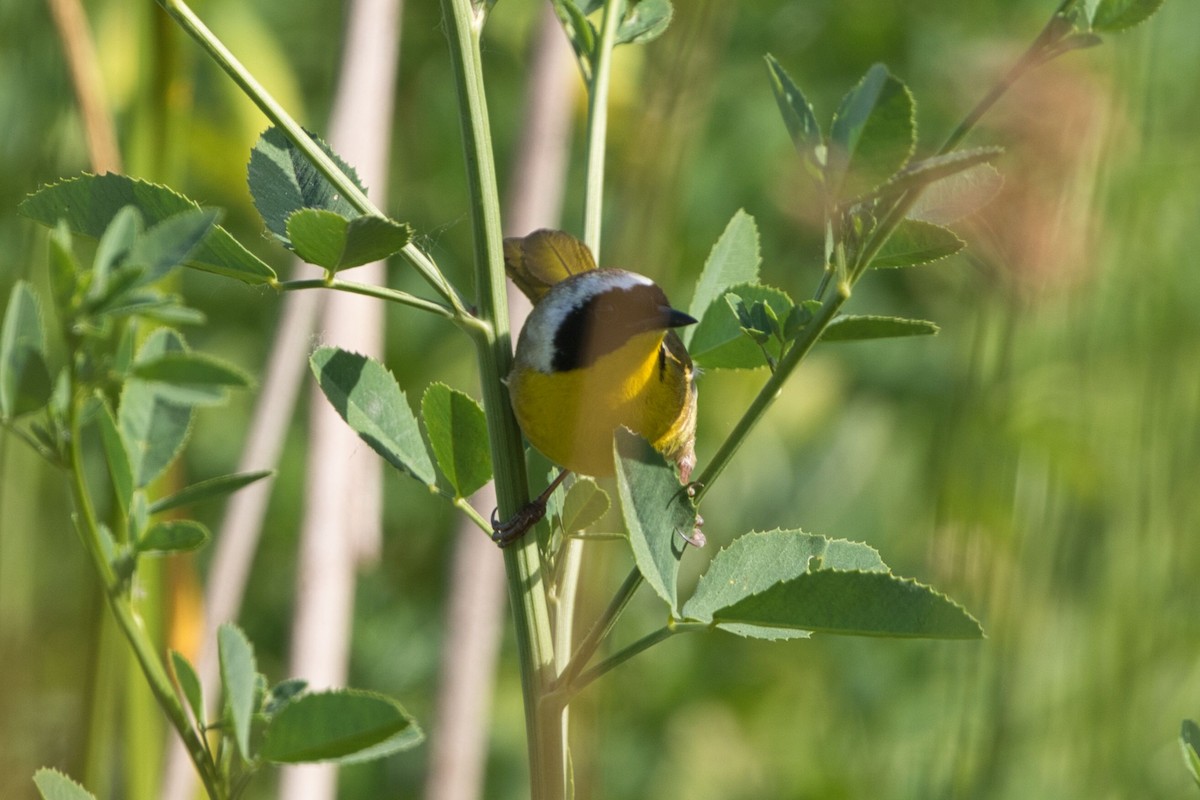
(530, 514)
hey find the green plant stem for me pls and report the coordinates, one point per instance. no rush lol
(207, 40)
(462, 505)
(600, 629)
(494, 348)
(144, 649)
(380, 293)
(624, 654)
(597, 123)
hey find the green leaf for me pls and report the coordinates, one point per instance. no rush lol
(856, 328)
(718, 341)
(117, 455)
(919, 174)
(191, 378)
(283, 693)
(239, 675)
(153, 423)
(189, 684)
(24, 380)
(798, 115)
(950, 199)
(915, 242)
(208, 489)
(115, 243)
(1111, 16)
(344, 726)
(283, 181)
(172, 242)
(733, 260)
(458, 437)
(65, 269)
(854, 603)
(755, 561)
(873, 134)
(580, 32)
(330, 240)
(89, 203)
(173, 536)
(53, 785)
(656, 511)
(644, 21)
(366, 395)
(1189, 741)
(585, 504)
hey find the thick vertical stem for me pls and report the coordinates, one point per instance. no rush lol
(494, 347)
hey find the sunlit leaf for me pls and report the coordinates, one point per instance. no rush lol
(755, 561)
(733, 260)
(53, 785)
(719, 343)
(950, 199)
(656, 511)
(798, 115)
(283, 181)
(458, 437)
(172, 242)
(189, 684)
(208, 489)
(644, 21)
(854, 603)
(343, 726)
(330, 240)
(1117, 15)
(366, 395)
(873, 134)
(856, 328)
(239, 676)
(89, 203)
(915, 242)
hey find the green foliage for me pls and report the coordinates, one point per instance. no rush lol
(853, 603)
(208, 489)
(1110, 16)
(173, 536)
(658, 512)
(723, 339)
(915, 242)
(366, 395)
(24, 381)
(857, 328)
(798, 115)
(89, 203)
(341, 726)
(53, 785)
(189, 684)
(733, 260)
(154, 419)
(584, 505)
(458, 438)
(330, 240)
(873, 135)
(1189, 742)
(307, 214)
(239, 678)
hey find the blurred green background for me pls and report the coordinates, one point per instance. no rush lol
(1037, 461)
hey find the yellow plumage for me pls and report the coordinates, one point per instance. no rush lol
(578, 376)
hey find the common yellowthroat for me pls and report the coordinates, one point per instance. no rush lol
(597, 352)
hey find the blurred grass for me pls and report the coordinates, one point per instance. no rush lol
(1036, 461)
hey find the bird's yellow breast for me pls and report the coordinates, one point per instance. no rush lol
(570, 415)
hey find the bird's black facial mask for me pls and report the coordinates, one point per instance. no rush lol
(610, 319)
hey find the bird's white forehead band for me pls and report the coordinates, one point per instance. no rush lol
(537, 337)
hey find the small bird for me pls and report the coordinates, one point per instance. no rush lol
(598, 352)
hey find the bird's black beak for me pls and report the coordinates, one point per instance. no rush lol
(676, 319)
